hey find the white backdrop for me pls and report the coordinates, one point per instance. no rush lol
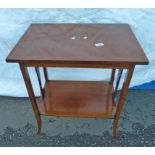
(13, 23)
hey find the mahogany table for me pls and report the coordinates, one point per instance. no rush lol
(111, 46)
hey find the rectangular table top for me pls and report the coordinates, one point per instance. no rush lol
(78, 43)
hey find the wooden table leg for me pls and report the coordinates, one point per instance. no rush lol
(31, 95)
(45, 73)
(120, 71)
(42, 91)
(122, 98)
(112, 76)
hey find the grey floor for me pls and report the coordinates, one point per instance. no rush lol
(136, 125)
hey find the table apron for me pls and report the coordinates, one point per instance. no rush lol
(72, 65)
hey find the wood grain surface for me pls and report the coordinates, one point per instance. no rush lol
(65, 43)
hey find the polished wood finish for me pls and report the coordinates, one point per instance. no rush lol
(78, 99)
(51, 45)
(83, 65)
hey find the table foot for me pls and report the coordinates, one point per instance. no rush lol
(39, 123)
(39, 130)
(115, 128)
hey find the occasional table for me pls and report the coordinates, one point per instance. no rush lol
(110, 46)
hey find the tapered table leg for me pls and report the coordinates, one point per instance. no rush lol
(31, 95)
(122, 98)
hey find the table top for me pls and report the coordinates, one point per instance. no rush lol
(78, 43)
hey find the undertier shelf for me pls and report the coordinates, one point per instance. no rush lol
(78, 99)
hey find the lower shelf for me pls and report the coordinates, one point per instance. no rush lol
(78, 99)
